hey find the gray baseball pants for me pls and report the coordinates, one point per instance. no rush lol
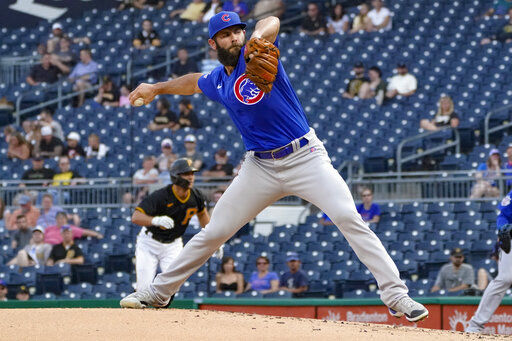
(306, 173)
(493, 294)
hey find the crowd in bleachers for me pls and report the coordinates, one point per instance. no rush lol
(320, 50)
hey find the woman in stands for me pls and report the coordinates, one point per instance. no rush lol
(445, 116)
(18, 147)
(228, 278)
(338, 22)
(362, 22)
(263, 280)
(486, 185)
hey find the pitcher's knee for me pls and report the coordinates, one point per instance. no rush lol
(347, 218)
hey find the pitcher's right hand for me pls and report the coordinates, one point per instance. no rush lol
(145, 91)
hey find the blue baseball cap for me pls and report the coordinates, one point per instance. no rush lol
(291, 256)
(2, 283)
(223, 20)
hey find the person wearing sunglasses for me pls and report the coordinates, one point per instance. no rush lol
(369, 211)
(263, 280)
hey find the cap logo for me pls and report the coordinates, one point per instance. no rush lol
(226, 18)
(189, 162)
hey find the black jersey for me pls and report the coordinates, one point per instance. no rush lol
(164, 202)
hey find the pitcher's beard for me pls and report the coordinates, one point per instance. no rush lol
(228, 58)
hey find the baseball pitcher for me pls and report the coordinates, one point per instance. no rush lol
(284, 157)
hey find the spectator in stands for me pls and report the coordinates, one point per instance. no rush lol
(165, 117)
(141, 4)
(191, 153)
(46, 119)
(294, 280)
(38, 172)
(228, 278)
(8, 131)
(403, 83)
(147, 37)
(73, 148)
(18, 147)
(455, 276)
(46, 72)
(108, 93)
(184, 65)
(362, 21)
(49, 211)
(23, 294)
(95, 149)
(35, 253)
(265, 8)
(212, 7)
(65, 54)
(499, 8)
(22, 236)
(53, 44)
(237, 6)
(215, 198)
(192, 12)
(26, 209)
(66, 174)
(53, 236)
(167, 157)
(338, 22)
(504, 34)
(210, 63)
(67, 252)
(375, 88)
(486, 175)
(355, 84)
(84, 74)
(380, 16)
(314, 23)
(148, 173)
(124, 93)
(29, 131)
(325, 220)
(222, 167)
(263, 280)
(146, 176)
(188, 117)
(369, 211)
(3, 291)
(445, 116)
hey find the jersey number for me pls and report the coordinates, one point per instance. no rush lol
(190, 213)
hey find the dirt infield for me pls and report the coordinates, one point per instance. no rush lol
(180, 324)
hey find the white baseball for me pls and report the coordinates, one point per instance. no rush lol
(138, 102)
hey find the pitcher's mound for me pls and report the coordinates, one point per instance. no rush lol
(178, 324)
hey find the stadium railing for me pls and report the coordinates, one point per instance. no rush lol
(400, 159)
(488, 130)
(104, 192)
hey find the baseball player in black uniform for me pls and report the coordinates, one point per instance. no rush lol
(164, 216)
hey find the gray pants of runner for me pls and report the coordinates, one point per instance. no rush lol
(493, 294)
(306, 173)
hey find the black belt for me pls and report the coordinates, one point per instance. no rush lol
(279, 154)
(159, 238)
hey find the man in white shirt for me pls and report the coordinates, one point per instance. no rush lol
(380, 16)
(403, 84)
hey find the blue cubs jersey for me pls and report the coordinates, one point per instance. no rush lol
(265, 121)
(505, 216)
